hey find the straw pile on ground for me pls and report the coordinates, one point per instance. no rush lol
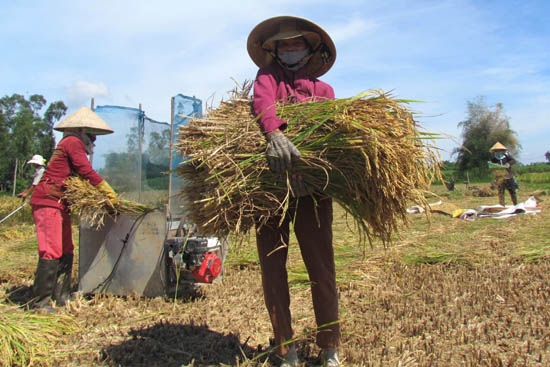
(28, 339)
(93, 206)
(366, 152)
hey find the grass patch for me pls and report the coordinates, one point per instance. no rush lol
(535, 251)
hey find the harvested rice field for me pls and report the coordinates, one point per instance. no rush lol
(446, 292)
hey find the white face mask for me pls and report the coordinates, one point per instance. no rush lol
(293, 60)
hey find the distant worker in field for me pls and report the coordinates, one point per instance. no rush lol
(501, 164)
(51, 214)
(39, 167)
(291, 54)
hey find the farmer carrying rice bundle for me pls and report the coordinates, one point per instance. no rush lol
(291, 54)
(501, 164)
(52, 215)
(279, 159)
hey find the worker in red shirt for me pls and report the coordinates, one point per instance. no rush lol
(51, 214)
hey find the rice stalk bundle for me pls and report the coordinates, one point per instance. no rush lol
(91, 205)
(366, 152)
(28, 339)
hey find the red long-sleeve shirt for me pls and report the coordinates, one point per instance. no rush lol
(274, 84)
(69, 158)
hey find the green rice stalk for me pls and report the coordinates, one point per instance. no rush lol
(91, 205)
(366, 152)
(28, 339)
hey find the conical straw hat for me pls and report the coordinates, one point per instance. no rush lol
(262, 39)
(498, 146)
(87, 119)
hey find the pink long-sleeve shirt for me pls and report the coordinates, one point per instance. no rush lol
(275, 84)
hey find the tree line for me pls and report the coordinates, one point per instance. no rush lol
(25, 130)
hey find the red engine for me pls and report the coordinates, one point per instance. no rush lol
(209, 269)
(196, 256)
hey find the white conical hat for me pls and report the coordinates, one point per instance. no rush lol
(37, 159)
(87, 119)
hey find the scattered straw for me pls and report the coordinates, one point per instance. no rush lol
(366, 152)
(91, 205)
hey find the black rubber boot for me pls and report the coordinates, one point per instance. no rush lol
(44, 285)
(62, 292)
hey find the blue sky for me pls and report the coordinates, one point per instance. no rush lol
(444, 53)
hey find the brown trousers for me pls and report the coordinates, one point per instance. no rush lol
(312, 220)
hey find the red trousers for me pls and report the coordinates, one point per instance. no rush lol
(53, 232)
(312, 219)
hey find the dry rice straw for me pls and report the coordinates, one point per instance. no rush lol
(366, 152)
(92, 206)
(29, 339)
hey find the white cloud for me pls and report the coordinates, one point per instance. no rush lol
(127, 53)
(81, 92)
(351, 29)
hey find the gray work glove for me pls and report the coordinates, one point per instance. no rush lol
(280, 151)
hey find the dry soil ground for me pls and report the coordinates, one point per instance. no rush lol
(453, 293)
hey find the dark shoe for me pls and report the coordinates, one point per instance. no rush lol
(44, 284)
(62, 291)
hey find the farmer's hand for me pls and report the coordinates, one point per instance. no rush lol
(23, 195)
(108, 191)
(280, 151)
